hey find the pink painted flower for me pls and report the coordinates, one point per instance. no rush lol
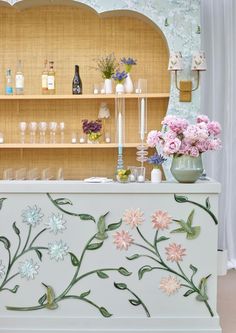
(194, 152)
(214, 128)
(153, 138)
(122, 240)
(133, 217)
(175, 252)
(161, 220)
(169, 285)
(172, 146)
(203, 119)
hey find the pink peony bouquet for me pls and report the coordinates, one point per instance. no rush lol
(182, 138)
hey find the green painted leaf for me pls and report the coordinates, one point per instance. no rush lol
(208, 205)
(180, 198)
(63, 201)
(1, 202)
(102, 275)
(161, 239)
(144, 270)
(42, 299)
(202, 298)
(6, 242)
(85, 294)
(179, 230)
(102, 236)
(74, 259)
(134, 302)
(190, 218)
(17, 230)
(14, 290)
(39, 254)
(185, 226)
(188, 292)
(114, 226)
(195, 233)
(104, 312)
(124, 271)
(101, 224)
(120, 286)
(87, 217)
(133, 257)
(194, 269)
(94, 246)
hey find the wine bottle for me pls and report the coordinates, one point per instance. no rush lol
(76, 83)
(51, 79)
(19, 79)
(44, 78)
(9, 86)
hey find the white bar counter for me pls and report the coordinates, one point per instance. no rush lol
(110, 257)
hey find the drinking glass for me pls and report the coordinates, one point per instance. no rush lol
(42, 131)
(62, 133)
(22, 127)
(133, 173)
(141, 174)
(8, 174)
(53, 129)
(33, 128)
(60, 174)
(33, 174)
(74, 138)
(20, 174)
(47, 174)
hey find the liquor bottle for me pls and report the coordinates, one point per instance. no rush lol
(45, 79)
(19, 79)
(51, 79)
(9, 86)
(76, 83)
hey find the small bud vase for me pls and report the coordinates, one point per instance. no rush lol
(120, 88)
(156, 175)
(108, 86)
(128, 84)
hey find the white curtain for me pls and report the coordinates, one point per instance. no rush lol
(218, 101)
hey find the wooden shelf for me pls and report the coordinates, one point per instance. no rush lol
(79, 97)
(64, 145)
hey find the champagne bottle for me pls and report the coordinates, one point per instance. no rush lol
(76, 83)
(9, 86)
(19, 79)
(51, 79)
(45, 79)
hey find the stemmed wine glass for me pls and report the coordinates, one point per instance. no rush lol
(62, 128)
(33, 128)
(42, 131)
(22, 127)
(53, 129)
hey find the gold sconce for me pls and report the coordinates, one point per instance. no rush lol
(175, 65)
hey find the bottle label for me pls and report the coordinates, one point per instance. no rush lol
(77, 90)
(19, 81)
(44, 81)
(51, 82)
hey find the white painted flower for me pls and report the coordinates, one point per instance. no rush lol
(28, 269)
(32, 215)
(56, 223)
(2, 269)
(58, 250)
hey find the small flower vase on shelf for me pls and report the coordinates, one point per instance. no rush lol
(128, 84)
(120, 88)
(156, 175)
(108, 86)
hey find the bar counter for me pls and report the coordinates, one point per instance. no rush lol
(109, 257)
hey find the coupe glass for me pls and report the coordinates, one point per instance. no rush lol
(33, 128)
(53, 129)
(42, 131)
(22, 128)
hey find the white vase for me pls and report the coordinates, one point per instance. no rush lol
(108, 86)
(129, 87)
(156, 175)
(120, 88)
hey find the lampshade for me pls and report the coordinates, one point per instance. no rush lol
(199, 61)
(175, 61)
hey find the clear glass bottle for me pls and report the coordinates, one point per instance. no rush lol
(76, 83)
(51, 79)
(44, 78)
(19, 79)
(9, 85)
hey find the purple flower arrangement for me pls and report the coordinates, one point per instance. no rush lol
(128, 63)
(156, 159)
(182, 138)
(92, 129)
(119, 76)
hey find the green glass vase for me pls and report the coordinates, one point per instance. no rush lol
(186, 169)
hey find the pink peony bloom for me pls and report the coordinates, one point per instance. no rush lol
(194, 152)
(172, 146)
(214, 144)
(177, 125)
(170, 136)
(153, 138)
(133, 217)
(202, 145)
(184, 148)
(122, 240)
(161, 220)
(214, 128)
(175, 252)
(169, 285)
(203, 119)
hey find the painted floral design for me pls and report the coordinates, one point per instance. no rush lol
(175, 252)
(133, 217)
(122, 240)
(2, 269)
(32, 215)
(28, 269)
(58, 250)
(169, 285)
(161, 220)
(56, 223)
